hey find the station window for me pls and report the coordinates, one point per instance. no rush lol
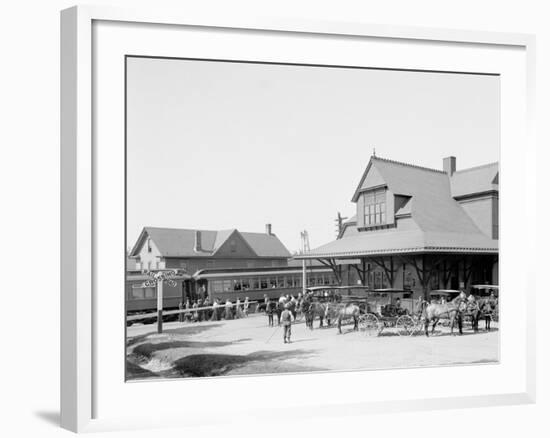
(375, 207)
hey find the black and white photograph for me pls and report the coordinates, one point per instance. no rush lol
(293, 218)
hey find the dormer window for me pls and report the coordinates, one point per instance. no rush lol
(149, 245)
(375, 207)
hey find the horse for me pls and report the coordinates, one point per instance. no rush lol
(433, 312)
(345, 312)
(487, 308)
(311, 310)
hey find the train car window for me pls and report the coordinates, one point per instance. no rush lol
(170, 291)
(137, 293)
(263, 283)
(226, 285)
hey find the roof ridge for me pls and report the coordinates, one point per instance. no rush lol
(477, 167)
(408, 164)
(180, 229)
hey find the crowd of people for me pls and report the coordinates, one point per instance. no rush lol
(208, 309)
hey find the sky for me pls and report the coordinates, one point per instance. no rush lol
(220, 145)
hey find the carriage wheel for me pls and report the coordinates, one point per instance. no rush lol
(405, 326)
(369, 324)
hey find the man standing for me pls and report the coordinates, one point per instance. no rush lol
(180, 315)
(270, 307)
(286, 318)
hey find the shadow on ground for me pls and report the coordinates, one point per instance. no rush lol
(209, 365)
(185, 331)
(147, 350)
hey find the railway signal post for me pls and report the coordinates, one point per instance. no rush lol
(157, 280)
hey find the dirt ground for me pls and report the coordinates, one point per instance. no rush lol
(249, 346)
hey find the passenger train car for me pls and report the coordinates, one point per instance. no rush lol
(224, 284)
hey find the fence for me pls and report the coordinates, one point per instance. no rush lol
(221, 307)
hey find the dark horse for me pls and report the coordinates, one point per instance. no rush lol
(312, 310)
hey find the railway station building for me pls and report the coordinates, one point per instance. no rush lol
(418, 229)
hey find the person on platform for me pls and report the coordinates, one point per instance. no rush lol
(461, 301)
(180, 315)
(202, 293)
(286, 319)
(215, 310)
(238, 309)
(195, 313)
(187, 308)
(246, 305)
(228, 312)
(200, 313)
(269, 310)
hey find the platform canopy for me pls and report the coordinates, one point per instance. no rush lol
(404, 242)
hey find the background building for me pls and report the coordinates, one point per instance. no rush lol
(192, 250)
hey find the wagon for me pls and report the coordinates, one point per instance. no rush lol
(381, 309)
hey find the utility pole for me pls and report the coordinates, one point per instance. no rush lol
(305, 248)
(339, 224)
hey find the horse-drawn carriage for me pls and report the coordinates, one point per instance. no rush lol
(488, 298)
(371, 310)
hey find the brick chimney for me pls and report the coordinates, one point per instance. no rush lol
(449, 165)
(198, 241)
(268, 229)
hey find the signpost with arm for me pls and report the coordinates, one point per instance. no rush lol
(157, 279)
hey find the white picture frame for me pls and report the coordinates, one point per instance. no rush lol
(80, 370)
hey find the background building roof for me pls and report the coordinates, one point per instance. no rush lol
(475, 180)
(178, 242)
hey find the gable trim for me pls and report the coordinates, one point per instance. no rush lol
(235, 232)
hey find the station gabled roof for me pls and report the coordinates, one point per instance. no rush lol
(440, 222)
(431, 203)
